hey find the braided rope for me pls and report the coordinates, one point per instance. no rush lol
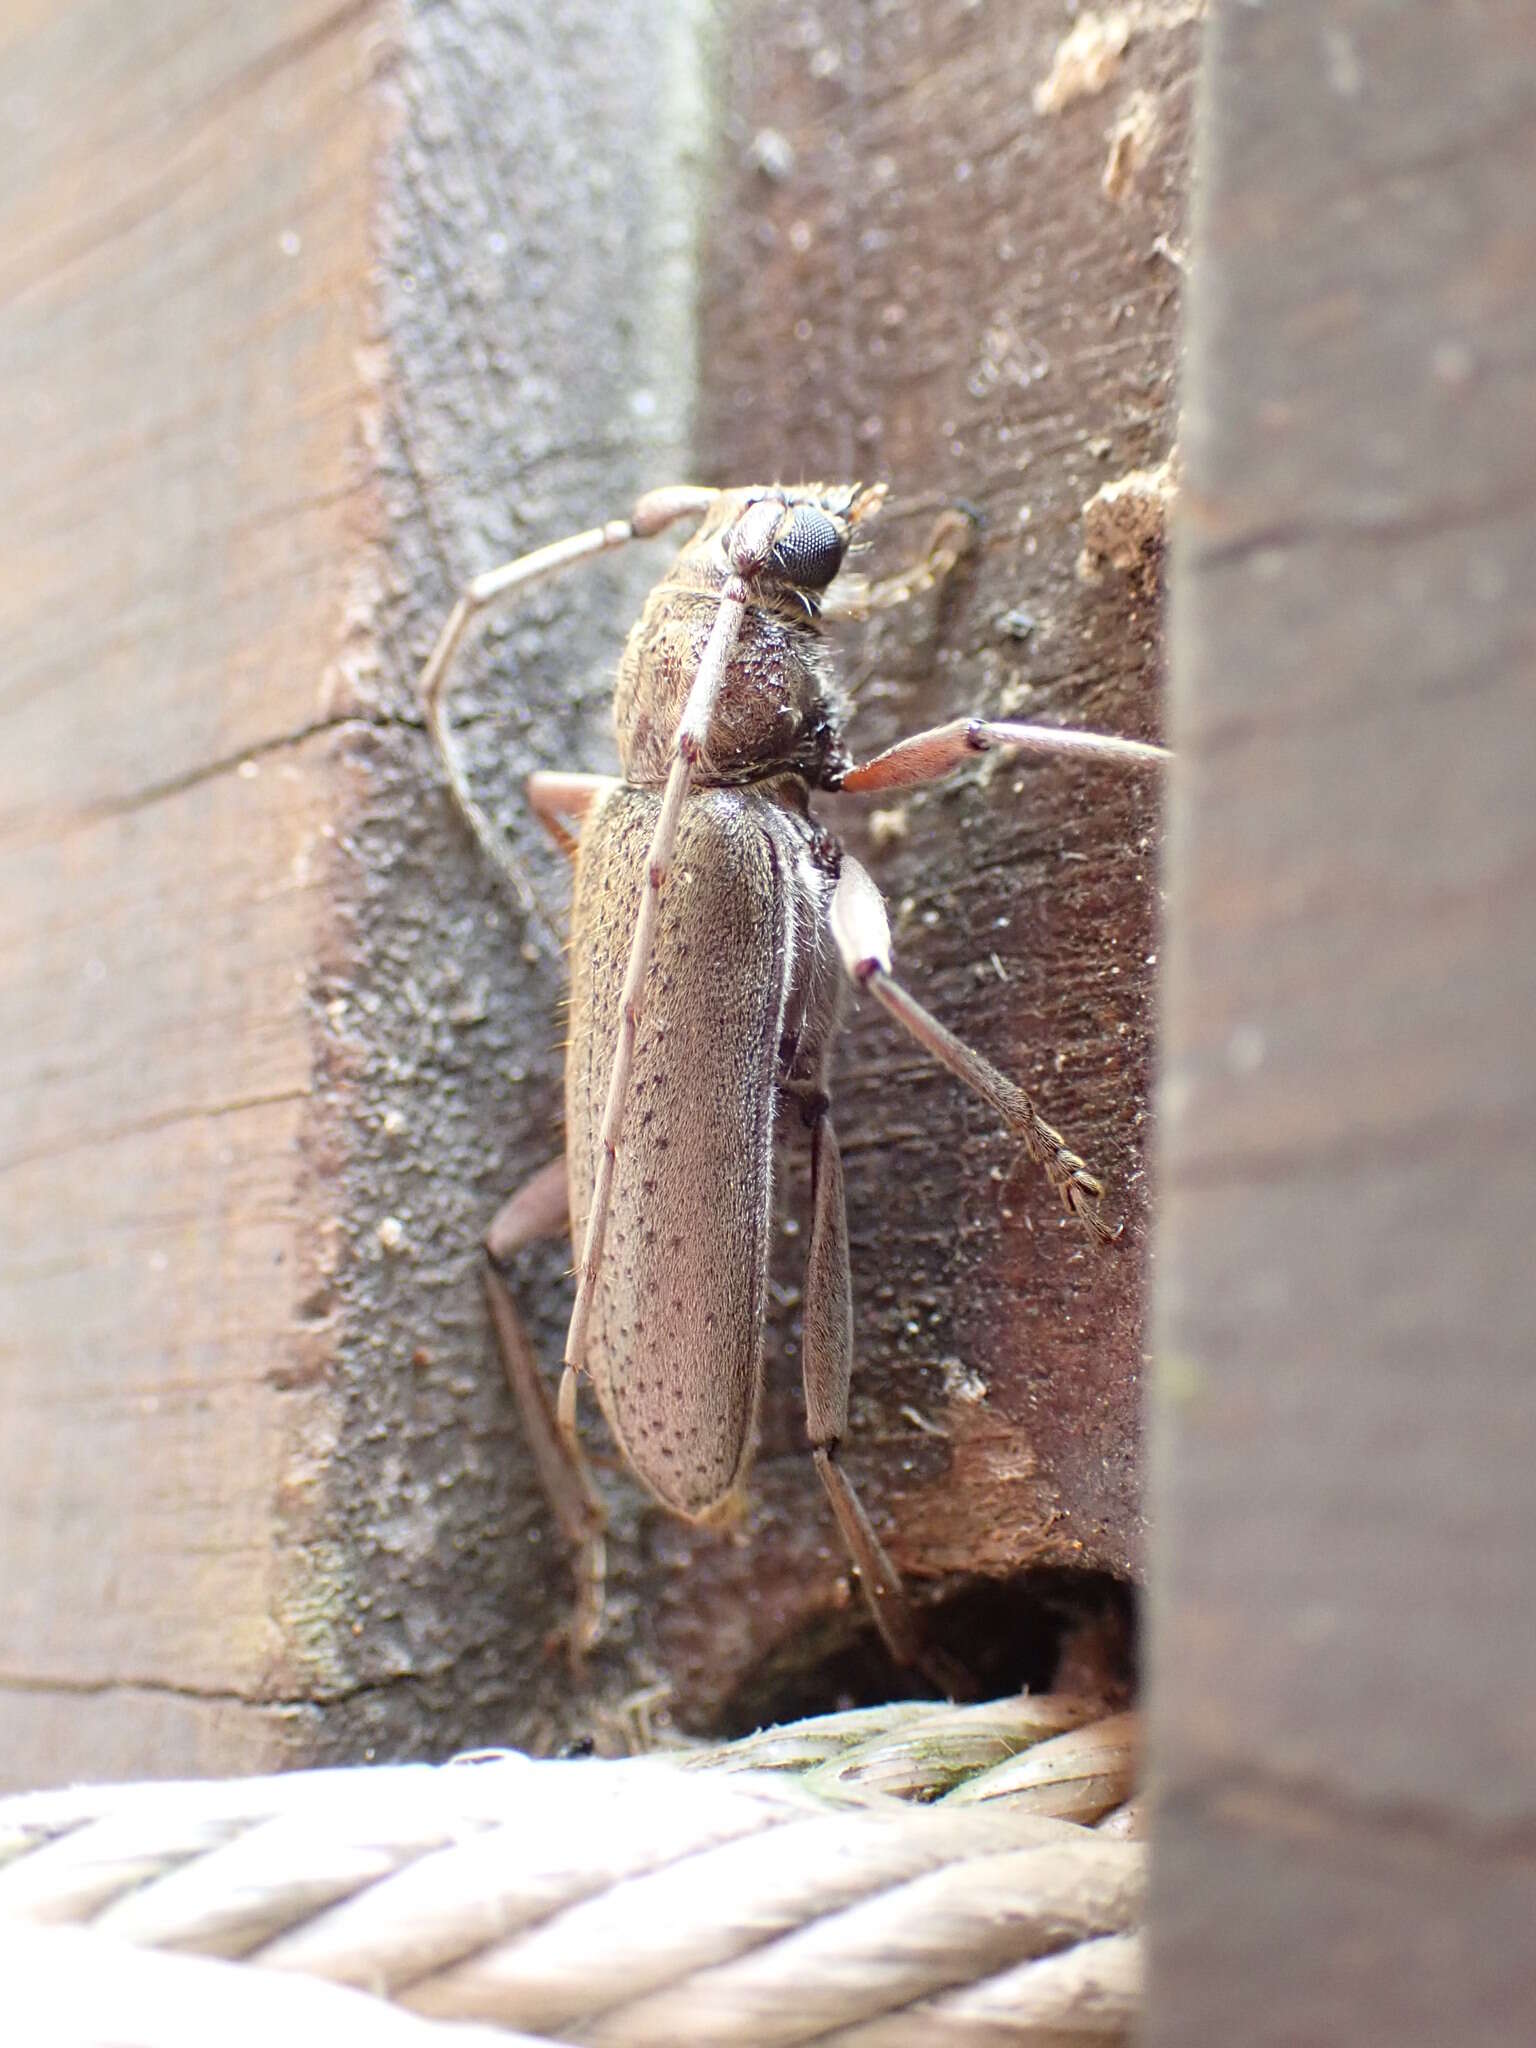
(901, 1875)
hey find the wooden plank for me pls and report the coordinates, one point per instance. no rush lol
(1346, 1440)
(915, 272)
(185, 234)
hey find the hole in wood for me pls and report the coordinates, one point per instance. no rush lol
(1039, 1631)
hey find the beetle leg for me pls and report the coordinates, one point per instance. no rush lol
(651, 514)
(864, 940)
(828, 1367)
(930, 756)
(560, 798)
(541, 1209)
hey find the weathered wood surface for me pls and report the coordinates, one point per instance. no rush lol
(937, 288)
(1345, 1469)
(308, 315)
(185, 232)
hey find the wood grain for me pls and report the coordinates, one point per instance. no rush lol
(185, 235)
(1346, 1438)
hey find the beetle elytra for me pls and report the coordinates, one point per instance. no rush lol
(715, 927)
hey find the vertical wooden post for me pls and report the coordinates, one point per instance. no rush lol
(1345, 1472)
(185, 236)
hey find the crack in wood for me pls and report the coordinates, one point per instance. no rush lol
(164, 1688)
(55, 826)
(165, 1119)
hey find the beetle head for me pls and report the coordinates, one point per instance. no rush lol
(797, 540)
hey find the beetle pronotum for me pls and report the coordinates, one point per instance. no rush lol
(714, 927)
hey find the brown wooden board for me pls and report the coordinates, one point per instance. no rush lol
(1345, 1478)
(185, 238)
(912, 272)
(309, 314)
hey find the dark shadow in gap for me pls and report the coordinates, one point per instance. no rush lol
(1040, 1631)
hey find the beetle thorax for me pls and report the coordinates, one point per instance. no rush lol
(779, 707)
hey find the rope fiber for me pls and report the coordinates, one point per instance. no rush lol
(895, 1876)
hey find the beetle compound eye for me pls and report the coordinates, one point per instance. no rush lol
(809, 552)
